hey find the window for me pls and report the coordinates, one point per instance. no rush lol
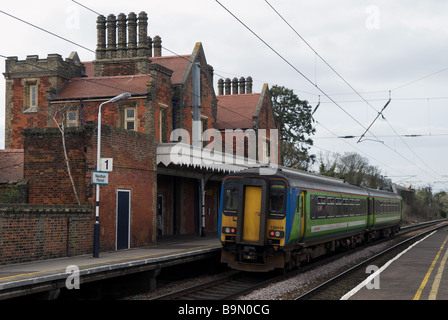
(277, 197)
(72, 118)
(33, 95)
(130, 119)
(163, 130)
(231, 199)
(30, 95)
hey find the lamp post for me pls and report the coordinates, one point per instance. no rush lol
(96, 230)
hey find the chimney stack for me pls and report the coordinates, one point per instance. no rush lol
(125, 28)
(244, 85)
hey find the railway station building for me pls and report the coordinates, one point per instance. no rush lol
(160, 183)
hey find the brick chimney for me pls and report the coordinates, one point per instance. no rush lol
(123, 56)
(228, 86)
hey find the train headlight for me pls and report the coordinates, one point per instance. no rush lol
(276, 234)
(229, 230)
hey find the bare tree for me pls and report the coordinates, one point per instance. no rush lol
(353, 168)
(61, 128)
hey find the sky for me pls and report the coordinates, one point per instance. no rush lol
(351, 55)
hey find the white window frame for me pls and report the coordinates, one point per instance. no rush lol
(130, 119)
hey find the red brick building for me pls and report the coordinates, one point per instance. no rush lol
(149, 194)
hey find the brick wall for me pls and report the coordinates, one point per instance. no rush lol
(46, 169)
(133, 156)
(38, 232)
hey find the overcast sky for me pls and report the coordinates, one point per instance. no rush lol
(377, 48)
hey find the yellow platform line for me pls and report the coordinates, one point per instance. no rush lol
(428, 274)
(438, 279)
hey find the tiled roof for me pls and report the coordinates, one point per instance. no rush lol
(177, 64)
(11, 165)
(96, 87)
(236, 111)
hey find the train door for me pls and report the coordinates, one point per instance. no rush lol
(252, 213)
(301, 208)
(370, 212)
(252, 223)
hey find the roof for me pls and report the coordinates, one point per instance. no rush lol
(178, 64)
(96, 87)
(100, 87)
(236, 111)
(11, 165)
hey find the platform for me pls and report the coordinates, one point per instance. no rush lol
(418, 273)
(50, 275)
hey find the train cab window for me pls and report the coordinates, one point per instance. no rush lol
(231, 199)
(277, 198)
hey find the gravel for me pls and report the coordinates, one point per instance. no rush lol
(283, 290)
(294, 286)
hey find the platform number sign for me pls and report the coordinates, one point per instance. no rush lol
(106, 164)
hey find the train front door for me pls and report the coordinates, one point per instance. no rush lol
(252, 213)
(252, 223)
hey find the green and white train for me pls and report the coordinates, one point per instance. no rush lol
(279, 221)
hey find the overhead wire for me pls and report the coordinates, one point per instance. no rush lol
(349, 85)
(289, 63)
(93, 80)
(65, 39)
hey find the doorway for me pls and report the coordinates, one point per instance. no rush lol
(123, 218)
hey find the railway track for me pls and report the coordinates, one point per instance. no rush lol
(235, 284)
(337, 286)
(227, 287)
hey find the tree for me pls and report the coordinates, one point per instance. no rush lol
(294, 118)
(61, 113)
(353, 168)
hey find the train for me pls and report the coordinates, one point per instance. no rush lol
(288, 218)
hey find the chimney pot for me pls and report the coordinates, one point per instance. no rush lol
(249, 84)
(157, 46)
(111, 36)
(150, 42)
(235, 86)
(227, 85)
(121, 28)
(220, 87)
(242, 85)
(143, 49)
(132, 35)
(101, 37)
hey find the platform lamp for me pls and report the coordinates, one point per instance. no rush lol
(96, 230)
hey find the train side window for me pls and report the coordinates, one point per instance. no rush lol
(313, 207)
(277, 199)
(330, 207)
(338, 207)
(300, 205)
(231, 199)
